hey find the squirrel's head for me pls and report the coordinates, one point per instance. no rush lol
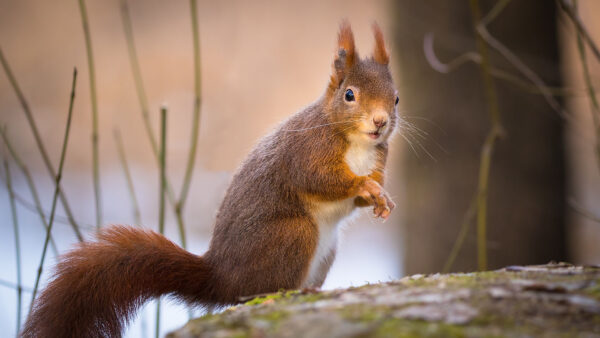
(361, 91)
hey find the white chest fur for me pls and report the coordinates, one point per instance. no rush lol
(329, 215)
(361, 158)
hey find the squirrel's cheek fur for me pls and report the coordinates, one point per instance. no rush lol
(276, 228)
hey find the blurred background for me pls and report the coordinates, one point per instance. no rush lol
(260, 62)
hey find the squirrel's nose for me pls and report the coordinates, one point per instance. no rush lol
(379, 121)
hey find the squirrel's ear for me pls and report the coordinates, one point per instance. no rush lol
(345, 55)
(380, 54)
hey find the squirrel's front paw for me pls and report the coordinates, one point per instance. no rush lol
(373, 192)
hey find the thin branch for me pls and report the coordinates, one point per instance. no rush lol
(195, 123)
(13, 210)
(197, 103)
(39, 143)
(134, 202)
(594, 107)
(445, 68)
(482, 190)
(92, 73)
(137, 74)
(139, 86)
(33, 208)
(516, 62)
(163, 166)
(493, 14)
(488, 146)
(162, 184)
(30, 183)
(462, 234)
(568, 7)
(11, 285)
(56, 190)
(583, 211)
(123, 158)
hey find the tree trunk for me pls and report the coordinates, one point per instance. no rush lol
(526, 195)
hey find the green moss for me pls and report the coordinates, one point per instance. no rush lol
(363, 313)
(239, 334)
(476, 279)
(311, 297)
(496, 315)
(273, 316)
(273, 296)
(593, 290)
(415, 328)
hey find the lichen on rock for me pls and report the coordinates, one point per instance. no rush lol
(556, 299)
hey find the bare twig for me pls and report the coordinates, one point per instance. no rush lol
(516, 62)
(488, 146)
(482, 188)
(162, 180)
(571, 11)
(445, 68)
(14, 286)
(134, 202)
(139, 86)
(33, 208)
(197, 102)
(39, 142)
(594, 106)
(496, 10)
(539, 85)
(56, 190)
(187, 180)
(137, 74)
(130, 187)
(583, 211)
(163, 168)
(30, 183)
(92, 73)
(13, 209)
(462, 234)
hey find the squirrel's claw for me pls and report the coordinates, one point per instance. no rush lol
(383, 204)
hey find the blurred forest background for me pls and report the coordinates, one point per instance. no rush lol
(494, 89)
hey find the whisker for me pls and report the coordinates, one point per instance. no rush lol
(420, 145)
(422, 134)
(410, 144)
(321, 125)
(424, 149)
(426, 120)
(412, 129)
(342, 131)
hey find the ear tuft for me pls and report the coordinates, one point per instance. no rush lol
(346, 49)
(380, 54)
(345, 56)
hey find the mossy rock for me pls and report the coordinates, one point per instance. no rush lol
(553, 300)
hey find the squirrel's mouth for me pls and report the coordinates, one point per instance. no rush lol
(374, 135)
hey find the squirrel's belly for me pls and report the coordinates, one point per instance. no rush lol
(328, 216)
(361, 158)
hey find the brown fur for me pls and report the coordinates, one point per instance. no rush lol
(99, 285)
(380, 54)
(265, 235)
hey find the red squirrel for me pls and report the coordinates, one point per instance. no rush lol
(275, 229)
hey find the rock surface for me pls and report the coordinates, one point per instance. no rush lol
(559, 300)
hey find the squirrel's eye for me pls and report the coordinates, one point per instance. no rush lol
(397, 99)
(349, 96)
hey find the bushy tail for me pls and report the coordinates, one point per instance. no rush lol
(98, 286)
